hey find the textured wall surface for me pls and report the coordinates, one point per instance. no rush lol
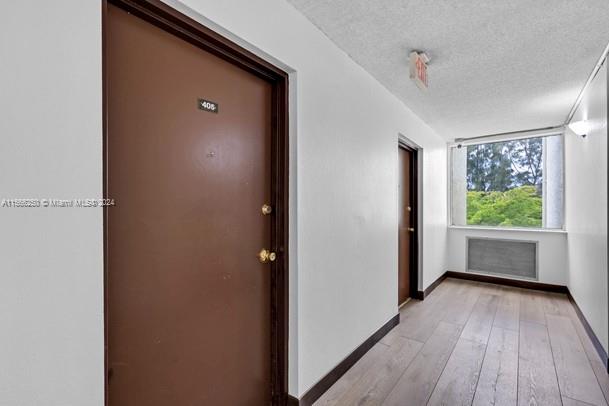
(495, 66)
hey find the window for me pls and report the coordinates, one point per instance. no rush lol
(515, 183)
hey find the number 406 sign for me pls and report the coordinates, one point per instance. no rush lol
(207, 105)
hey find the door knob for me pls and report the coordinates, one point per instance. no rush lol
(266, 209)
(411, 229)
(265, 256)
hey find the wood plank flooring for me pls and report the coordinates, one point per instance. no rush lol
(473, 343)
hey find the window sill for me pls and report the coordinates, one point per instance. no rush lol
(501, 229)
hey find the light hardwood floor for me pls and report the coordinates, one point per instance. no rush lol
(478, 344)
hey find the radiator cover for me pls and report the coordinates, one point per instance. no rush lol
(511, 258)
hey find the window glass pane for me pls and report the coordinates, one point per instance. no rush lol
(515, 183)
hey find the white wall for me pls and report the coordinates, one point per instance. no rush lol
(586, 208)
(552, 250)
(51, 318)
(344, 132)
(434, 208)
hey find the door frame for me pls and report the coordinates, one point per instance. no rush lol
(414, 242)
(184, 27)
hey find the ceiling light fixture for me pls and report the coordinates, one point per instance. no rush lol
(581, 128)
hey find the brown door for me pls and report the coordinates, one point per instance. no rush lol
(188, 302)
(406, 224)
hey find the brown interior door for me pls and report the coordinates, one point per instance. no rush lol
(188, 302)
(405, 227)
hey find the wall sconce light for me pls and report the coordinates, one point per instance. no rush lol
(580, 128)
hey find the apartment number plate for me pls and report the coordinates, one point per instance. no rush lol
(207, 105)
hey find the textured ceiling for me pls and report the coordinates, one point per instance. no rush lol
(496, 66)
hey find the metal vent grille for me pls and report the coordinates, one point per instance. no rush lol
(513, 258)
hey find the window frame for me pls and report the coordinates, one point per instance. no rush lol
(502, 138)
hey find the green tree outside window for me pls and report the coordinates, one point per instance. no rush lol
(504, 183)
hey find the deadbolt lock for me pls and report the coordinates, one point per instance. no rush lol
(265, 256)
(266, 209)
(411, 229)
(409, 208)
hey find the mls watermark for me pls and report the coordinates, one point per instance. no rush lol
(19, 203)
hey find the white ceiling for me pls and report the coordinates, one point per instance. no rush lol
(496, 66)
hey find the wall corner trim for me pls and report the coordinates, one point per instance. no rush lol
(595, 341)
(517, 283)
(422, 294)
(339, 370)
